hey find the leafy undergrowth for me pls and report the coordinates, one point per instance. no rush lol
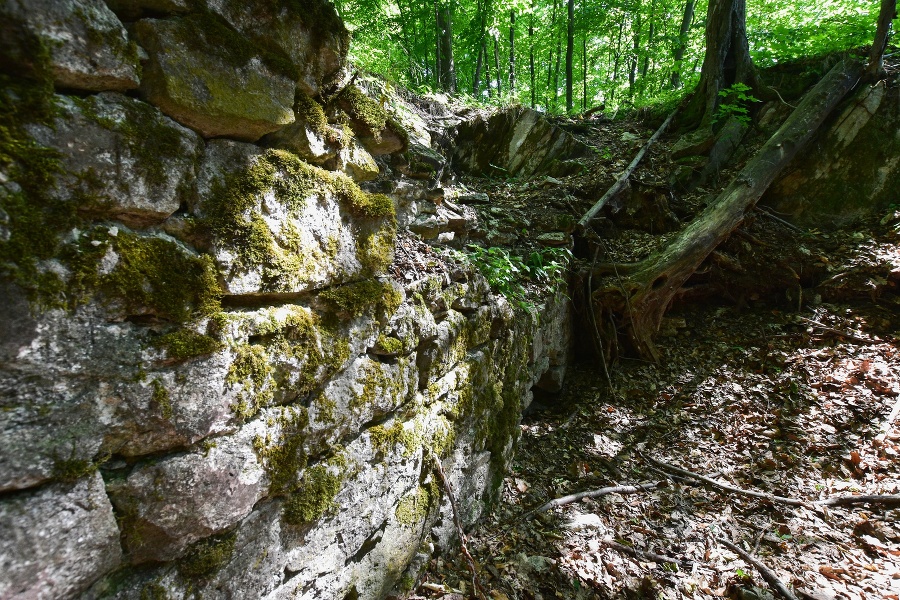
(794, 402)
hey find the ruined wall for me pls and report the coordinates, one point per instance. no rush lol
(209, 383)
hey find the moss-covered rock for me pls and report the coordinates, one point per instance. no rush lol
(204, 74)
(377, 130)
(280, 225)
(79, 44)
(308, 33)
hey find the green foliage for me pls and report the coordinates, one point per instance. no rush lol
(735, 103)
(509, 273)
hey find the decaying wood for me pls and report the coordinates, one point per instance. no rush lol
(843, 334)
(765, 572)
(658, 278)
(888, 13)
(642, 554)
(622, 182)
(616, 489)
(886, 500)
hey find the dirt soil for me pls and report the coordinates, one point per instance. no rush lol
(780, 374)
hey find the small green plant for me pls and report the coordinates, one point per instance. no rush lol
(735, 103)
(507, 273)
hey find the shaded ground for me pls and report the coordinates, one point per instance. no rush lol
(780, 373)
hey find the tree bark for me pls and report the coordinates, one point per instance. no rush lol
(448, 69)
(570, 51)
(727, 61)
(512, 50)
(680, 46)
(888, 13)
(497, 65)
(531, 55)
(638, 306)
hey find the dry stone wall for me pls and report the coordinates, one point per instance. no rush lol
(212, 383)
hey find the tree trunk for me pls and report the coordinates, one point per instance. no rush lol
(584, 73)
(531, 55)
(888, 13)
(727, 61)
(618, 57)
(681, 44)
(448, 70)
(651, 34)
(636, 48)
(550, 55)
(556, 70)
(512, 51)
(570, 51)
(497, 65)
(654, 282)
(487, 70)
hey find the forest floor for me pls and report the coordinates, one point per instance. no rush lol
(769, 381)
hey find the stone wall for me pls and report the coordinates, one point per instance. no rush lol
(212, 380)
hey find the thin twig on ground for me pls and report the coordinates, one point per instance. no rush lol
(642, 554)
(616, 489)
(764, 571)
(843, 334)
(477, 589)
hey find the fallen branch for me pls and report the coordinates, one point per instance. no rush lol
(889, 500)
(766, 573)
(843, 334)
(477, 588)
(622, 181)
(616, 489)
(642, 554)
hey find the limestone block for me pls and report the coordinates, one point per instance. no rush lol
(56, 541)
(852, 168)
(354, 161)
(520, 141)
(376, 129)
(121, 157)
(309, 34)
(302, 139)
(208, 77)
(80, 44)
(169, 504)
(294, 227)
(64, 402)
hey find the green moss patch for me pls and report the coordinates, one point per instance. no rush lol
(388, 345)
(252, 372)
(207, 556)
(363, 109)
(414, 507)
(160, 399)
(284, 458)
(183, 344)
(355, 299)
(314, 497)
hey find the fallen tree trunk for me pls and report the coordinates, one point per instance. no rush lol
(622, 182)
(639, 303)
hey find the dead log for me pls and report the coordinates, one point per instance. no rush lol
(622, 182)
(774, 582)
(657, 279)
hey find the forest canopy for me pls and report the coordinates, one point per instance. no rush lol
(609, 52)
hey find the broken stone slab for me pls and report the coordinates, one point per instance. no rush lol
(166, 504)
(79, 44)
(354, 161)
(131, 10)
(421, 162)
(303, 139)
(295, 230)
(130, 162)
(205, 75)
(310, 35)
(514, 142)
(56, 541)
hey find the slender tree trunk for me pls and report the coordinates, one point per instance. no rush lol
(476, 79)
(727, 61)
(531, 55)
(497, 70)
(550, 56)
(570, 52)
(636, 48)
(584, 73)
(618, 56)
(487, 70)
(888, 13)
(448, 69)
(649, 48)
(512, 51)
(438, 66)
(681, 44)
(556, 70)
